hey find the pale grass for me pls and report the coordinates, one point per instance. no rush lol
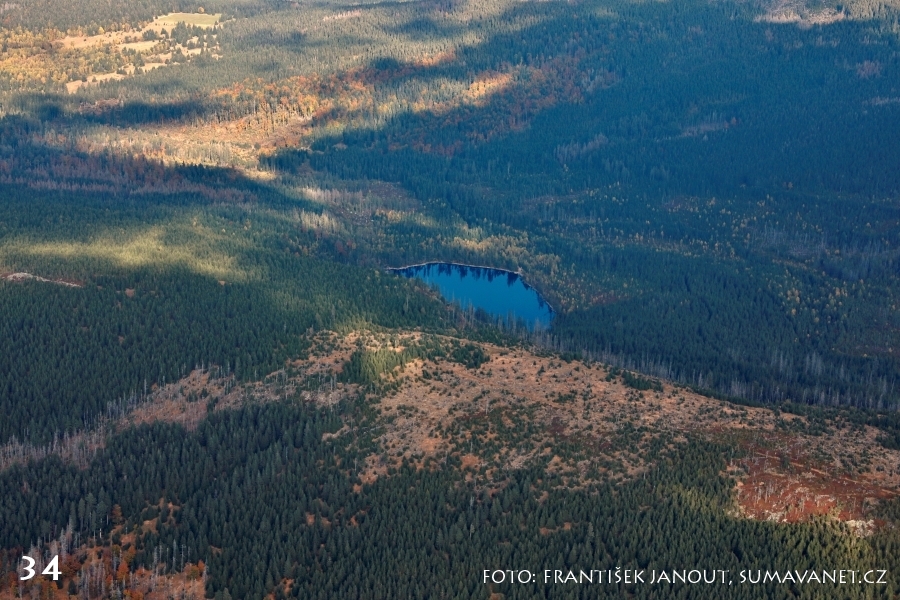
(74, 86)
(140, 46)
(195, 19)
(119, 41)
(157, 25)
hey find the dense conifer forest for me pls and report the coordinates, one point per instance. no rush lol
(706, 193)
(266, 505)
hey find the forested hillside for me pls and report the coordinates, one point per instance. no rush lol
(211, 385)
(261, 504)
(159, 289)
(707, 192)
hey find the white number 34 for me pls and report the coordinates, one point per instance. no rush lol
(52, 568)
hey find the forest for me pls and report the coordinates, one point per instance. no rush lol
(707, 193)
(266, 506)
(733, 168)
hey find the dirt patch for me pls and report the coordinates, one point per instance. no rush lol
(789, 478)
(769, 495)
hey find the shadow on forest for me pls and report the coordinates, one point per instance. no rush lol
(701, 106)
(62, 110)
(753, 91)
(700, 103)
(427, 28)
(793, 117)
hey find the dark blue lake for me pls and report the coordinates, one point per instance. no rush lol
(502, 294)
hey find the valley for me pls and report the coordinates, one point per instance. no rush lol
(213, 384)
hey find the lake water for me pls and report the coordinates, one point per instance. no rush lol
(502, 294)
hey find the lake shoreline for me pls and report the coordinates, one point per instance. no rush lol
(454, 264)
(519, 274)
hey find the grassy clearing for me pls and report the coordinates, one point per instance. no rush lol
(195, 19)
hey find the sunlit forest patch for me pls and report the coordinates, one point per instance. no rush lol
(154, 246)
